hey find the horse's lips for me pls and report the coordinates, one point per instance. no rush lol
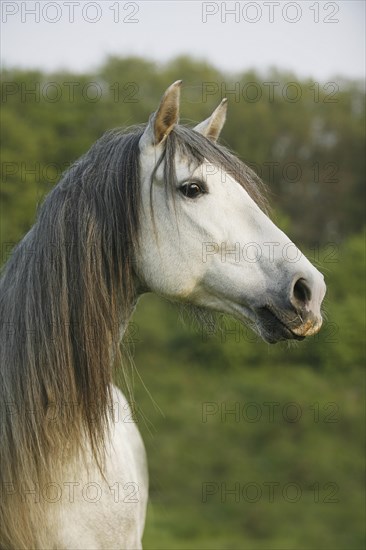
(309, 328)
(271, 328)
(279, 331)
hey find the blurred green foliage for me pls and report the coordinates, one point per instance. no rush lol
(311, 153)
(305, 138)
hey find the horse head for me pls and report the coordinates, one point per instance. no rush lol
(204, 238)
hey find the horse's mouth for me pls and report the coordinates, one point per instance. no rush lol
(270, 326)
(273, 327)
(274, 324)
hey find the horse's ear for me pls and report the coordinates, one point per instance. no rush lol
(212, 126)
(162, 122)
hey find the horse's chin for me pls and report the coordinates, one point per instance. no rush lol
(278, 334)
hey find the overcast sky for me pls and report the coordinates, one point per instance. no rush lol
(312, 38)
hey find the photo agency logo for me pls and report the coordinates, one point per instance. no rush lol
(287, 172)
(270, 12)
(270, 91)
(70, 11)
(119, 412)
(69, 91)
(269, 412)
(271, 252)
(269, 491)
(74, 491)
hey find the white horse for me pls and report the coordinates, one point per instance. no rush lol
(161, 208)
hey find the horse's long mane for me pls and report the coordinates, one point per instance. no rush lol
(63, 296)
(65, 291)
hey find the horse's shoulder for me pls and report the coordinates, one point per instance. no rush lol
(124, 428)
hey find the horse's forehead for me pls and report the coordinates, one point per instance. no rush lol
(183, 163)
(186, 166)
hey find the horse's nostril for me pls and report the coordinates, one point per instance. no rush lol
(301, 292)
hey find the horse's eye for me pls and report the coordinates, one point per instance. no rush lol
(192, 189)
